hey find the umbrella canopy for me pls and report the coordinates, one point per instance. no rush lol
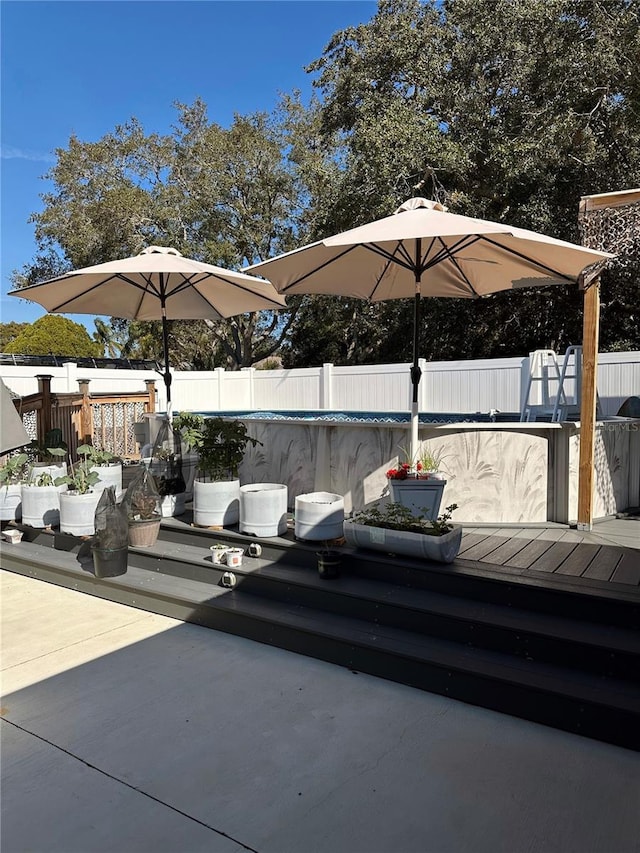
(157, 284)
(12, 431)
(422, 250)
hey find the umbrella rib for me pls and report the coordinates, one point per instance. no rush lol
(318, 268)
(101, 283)
(190, 283)
(454, 261)
(529, 260)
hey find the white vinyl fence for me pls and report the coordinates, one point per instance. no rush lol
(453, 386)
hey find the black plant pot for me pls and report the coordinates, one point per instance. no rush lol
(110, 562)
(329, 563)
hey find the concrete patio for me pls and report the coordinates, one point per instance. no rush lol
(127, 731)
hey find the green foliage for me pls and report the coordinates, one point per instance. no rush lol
(507, 111)
(80, 478)
(50, 451)
(227, 196)
(189, 425)
(221, 445)
(55, 335)
(14, 470)
(394, 516)
(9, 332)
(97, 456)
(43, 480)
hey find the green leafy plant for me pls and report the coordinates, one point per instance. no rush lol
(221, 446)
(97, 456)
(394, 516)
(80, 478)
(189, 425)
(43, 479)
(51, 450)
(426, 461)
(14, 470)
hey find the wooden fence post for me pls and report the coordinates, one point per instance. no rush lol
(86, 418)
(44, 414)
(150, 405)
(590, 336)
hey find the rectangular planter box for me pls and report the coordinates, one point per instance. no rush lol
(444, 549)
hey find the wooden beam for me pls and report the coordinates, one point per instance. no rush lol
(601, 201)
(590, 334)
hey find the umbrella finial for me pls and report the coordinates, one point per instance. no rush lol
(160, 250)
(415, 203)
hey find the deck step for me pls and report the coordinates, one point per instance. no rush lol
(468, 650)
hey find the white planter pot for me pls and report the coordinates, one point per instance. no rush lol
(41, 505)
(77, 512)
(216, 504)
(319, 516)
(110, 475)
(444, 549)
(11, 502)
(59, 470)
(263, 509)
(422, 497)
(172, 505)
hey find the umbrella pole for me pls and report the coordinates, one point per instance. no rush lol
(167, 372)
(415, 374)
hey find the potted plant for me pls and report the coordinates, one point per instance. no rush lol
(418, 485)
(395, 529)
(13, 473)
(166, 467)
(41, 501)
(49, 455)
(110, 547)
(189, 425)
(329, 563)
(142, 504)
(107, 466)
(221, 445)
(78, 504)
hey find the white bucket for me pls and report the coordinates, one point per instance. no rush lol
(216, 504)
(77, 512)
(41, 505)
(263, 509)
(319, 516)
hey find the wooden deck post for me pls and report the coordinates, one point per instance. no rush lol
(590, 336)
(86, 419)
(151, 393)
(44, 414)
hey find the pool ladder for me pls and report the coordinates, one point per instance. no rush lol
(544, 370)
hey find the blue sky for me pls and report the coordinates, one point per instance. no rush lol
(83, 67)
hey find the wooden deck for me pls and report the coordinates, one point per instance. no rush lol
(608, 554)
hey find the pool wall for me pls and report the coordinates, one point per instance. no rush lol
(518, 473)
(498, 473)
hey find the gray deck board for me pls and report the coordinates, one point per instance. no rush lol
(604, 564)
(481, 549)
(579, 559)
(530, 553)
(505, 552)
(553, 557)
(628, 569)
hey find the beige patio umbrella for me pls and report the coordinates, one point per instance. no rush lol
(157, 284)
(422, 250)
(12, 431)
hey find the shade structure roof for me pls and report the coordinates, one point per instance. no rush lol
(136, 288)
(453, 256)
